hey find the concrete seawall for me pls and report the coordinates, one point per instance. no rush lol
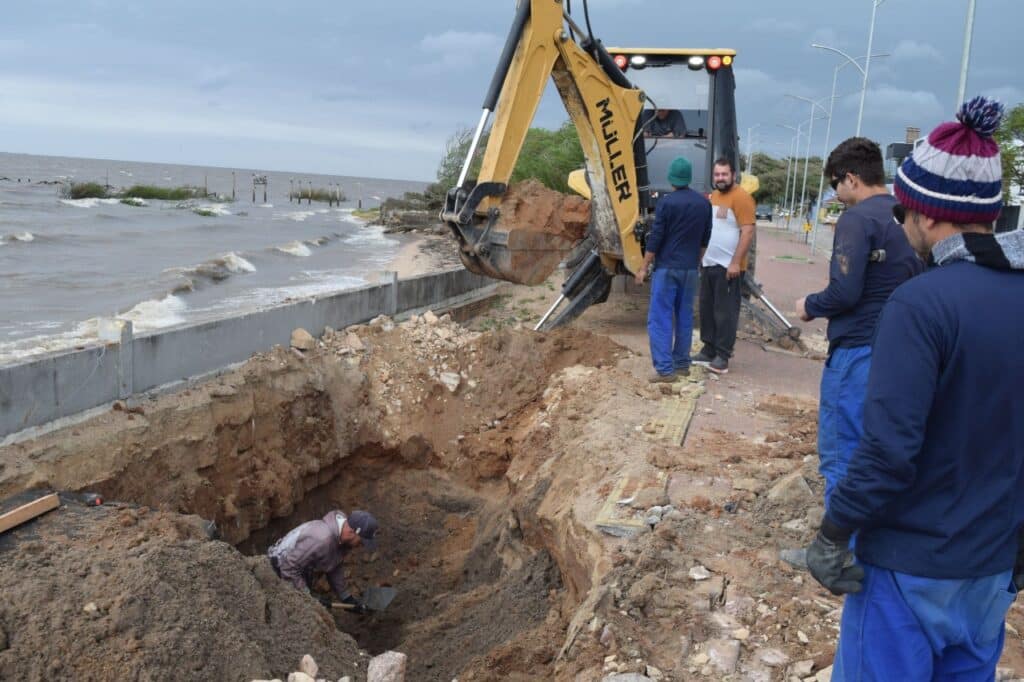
(66, 383)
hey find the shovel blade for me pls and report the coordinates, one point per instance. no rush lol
(378, 598)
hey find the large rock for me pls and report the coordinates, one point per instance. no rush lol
(388, 667)
(303, 340)
(723, 654)
(309, 666)
(791, 489)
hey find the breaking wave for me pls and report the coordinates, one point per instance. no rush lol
(91, 202)
(156, 313)
(295, 248)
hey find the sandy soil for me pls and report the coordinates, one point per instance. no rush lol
(494, 457)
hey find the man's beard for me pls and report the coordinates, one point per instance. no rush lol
(723, 186)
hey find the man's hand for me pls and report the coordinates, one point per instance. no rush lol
(641, 275)
(733, 271)
(324, 600)
(357, 606)
(831, 562)
(801, 309)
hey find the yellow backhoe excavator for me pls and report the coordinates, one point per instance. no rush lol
(634, 110)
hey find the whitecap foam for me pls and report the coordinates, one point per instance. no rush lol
(297, 216)
(134, 201)
(295, 248)
(90, 202)
(156, 313)
(370, 235)
(347, 217)
(23, 237)
(210, 210)
(235, 263)
(266, 206)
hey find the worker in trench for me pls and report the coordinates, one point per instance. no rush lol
(320, 546)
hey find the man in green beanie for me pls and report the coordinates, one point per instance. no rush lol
(675, 245)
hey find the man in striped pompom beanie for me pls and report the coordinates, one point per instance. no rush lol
(933, 488)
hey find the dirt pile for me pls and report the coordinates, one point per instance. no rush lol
(105, 593)
(529, 205)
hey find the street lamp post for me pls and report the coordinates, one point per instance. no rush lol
(810, 134)
(961, 92)
(828, 129)
(750, 145)
(867, 62)
(793, 146)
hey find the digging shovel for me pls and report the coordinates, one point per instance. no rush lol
(374, 598)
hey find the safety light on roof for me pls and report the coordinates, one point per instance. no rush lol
(621, 61)
(695, 63)
(638, 61)
(726, 60)
(714, 62)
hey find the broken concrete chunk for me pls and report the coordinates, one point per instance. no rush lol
(626, 677)
(354, 343)
(824, 675)
(388, 667)
(802, 668)
(300, 677)
(430, 318)
(654, 673)
(607, 637)
(773, 658)
(698, 572)
(791, 489)
(309, 666)
(303, 340)
(451, 380)
(723, 654)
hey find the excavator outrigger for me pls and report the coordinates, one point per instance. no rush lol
(606, 110)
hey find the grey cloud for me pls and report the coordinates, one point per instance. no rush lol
(911, 49)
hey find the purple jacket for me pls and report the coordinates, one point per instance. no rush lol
(313, 546)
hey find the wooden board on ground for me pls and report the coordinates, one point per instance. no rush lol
(27, 512)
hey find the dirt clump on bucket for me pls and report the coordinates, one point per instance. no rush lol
(529, 205)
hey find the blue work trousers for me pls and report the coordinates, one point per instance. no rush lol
(844, 382)
(908, 629)
(670, 318)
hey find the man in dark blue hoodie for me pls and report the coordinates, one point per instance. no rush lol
(675, 245)
(935, 488)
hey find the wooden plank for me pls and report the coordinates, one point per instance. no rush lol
(27, 512)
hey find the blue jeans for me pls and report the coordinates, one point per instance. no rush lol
(670, 318)
(905, 628)
(844, 382)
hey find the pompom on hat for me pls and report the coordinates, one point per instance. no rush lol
(955, 175)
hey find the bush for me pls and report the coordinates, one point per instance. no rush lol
(86, 190)
(166, 193)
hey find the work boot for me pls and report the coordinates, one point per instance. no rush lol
(719, 365)
(702, 358)
(663, 378)
(797, 558)
(683, 371)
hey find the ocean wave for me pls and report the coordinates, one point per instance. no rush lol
(210, 210)
(134, 201)
(235, 263)
(91, 202)
(295, 248)
(156, 313)
(369, 235)
(310, 284)
(348, 217)
(215, 270)
(266, 206)
(297, 216)
(318, 241)
(23, 237)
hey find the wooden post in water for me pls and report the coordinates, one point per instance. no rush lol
(232, 185)
(266, 184)
(254, 188)
(206, 185)
(310, 202)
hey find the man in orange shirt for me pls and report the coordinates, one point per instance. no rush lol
(721, 278)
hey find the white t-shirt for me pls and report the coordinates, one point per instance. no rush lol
(725, 225)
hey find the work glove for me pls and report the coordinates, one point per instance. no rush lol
(1018, 567)
(358, 607)
(831, 562)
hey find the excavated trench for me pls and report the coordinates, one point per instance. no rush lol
(481, 584)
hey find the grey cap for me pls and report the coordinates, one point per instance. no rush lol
(365, 526)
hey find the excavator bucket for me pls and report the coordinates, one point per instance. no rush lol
(524, 233)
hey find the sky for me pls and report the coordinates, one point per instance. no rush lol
(375, 89)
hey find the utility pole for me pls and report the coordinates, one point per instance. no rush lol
(961, 93)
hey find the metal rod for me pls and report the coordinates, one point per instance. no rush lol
(558, 301)
(472, 147)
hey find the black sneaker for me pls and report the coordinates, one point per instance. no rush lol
(719, 365)
(702, 359)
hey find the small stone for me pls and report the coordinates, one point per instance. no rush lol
(607, 637)
(300, 677)
(430, 318)
(724, 654)
(773, 658)
(652, 520)
(802, 668)
(824, 675)
(654, 673)
(698, 572)
(610, 658)
(302, 340)
(388, 667)
(791, 490)
(802, 637)
(451, 380)
(309, 666)
(354, 343)
(700, 659)
(742, 634)
(345, 679)
(91, 609)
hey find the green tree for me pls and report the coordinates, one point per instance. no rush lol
(771, 174)
(1010, 137)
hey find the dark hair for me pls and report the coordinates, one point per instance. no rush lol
(857, 155)
(725, 161)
